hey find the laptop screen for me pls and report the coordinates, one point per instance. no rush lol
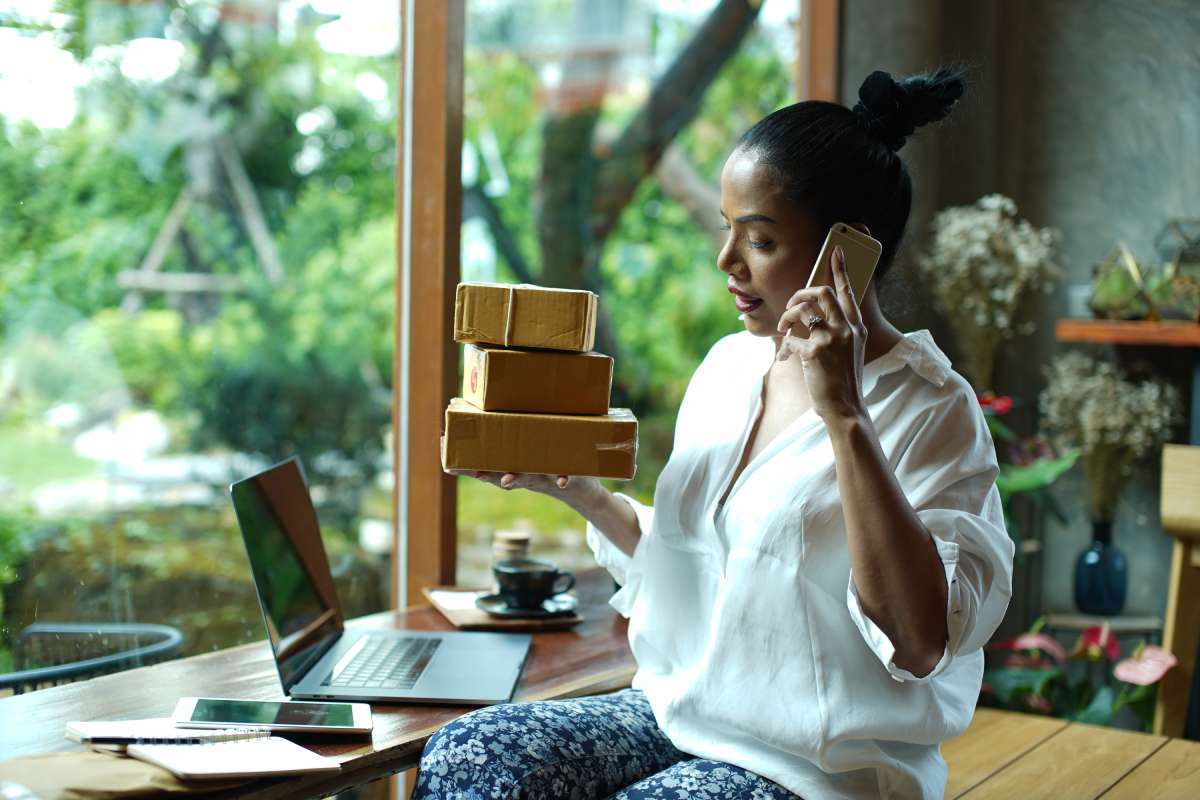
(289, 567)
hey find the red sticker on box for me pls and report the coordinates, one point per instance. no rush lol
(474, 379)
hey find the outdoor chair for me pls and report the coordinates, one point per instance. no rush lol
(50, 653)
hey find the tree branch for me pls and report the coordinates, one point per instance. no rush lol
(564, 202)
(251, 217)
(672, 104)
(476, 203)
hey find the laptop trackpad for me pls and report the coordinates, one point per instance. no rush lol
(487, 670)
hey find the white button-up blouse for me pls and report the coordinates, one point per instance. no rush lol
(750, 642)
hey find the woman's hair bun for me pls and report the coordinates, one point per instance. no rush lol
(891, 110)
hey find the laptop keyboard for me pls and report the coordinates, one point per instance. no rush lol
(387, 663)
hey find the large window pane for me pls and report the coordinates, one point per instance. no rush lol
(556, 194)
(196, 267)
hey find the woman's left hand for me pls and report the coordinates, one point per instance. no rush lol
(832, 354)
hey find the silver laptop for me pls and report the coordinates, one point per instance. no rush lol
(317, 657)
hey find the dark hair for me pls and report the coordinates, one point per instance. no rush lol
(841, 164)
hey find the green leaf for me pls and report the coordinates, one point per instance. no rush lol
(1010, 684)
(1141, 701)
(1016, 478)
(1099, 711)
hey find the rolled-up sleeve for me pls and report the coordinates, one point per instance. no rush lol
(619, 565)
(949, 475)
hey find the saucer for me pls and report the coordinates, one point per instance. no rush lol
(556, 606)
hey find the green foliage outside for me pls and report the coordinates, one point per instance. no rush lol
(301, 366)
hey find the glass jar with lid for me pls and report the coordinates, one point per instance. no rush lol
(507, 544)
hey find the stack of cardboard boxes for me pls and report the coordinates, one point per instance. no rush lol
(535, 396)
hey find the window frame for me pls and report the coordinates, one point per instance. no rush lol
(817, 68)
(428, 220)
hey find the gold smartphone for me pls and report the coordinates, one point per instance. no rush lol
(862, 254)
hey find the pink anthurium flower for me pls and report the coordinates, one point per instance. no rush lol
(1147, 665)
(1098, 642)
(1034, 641)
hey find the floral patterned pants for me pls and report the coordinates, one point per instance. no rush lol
(578, 749)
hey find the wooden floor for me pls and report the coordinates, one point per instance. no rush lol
(1008, 755)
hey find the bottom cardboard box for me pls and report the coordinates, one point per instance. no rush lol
(548, 444)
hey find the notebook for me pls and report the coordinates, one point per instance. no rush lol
(261, 756)
(199, 754)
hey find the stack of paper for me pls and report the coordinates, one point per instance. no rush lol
(191, 754)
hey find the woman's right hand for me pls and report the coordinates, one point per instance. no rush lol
(574, 490)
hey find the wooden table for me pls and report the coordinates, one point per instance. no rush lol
(591, 658)
(1007, 755)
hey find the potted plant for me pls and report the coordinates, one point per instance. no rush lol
(1040, 676)
(1113, 422)
(1123, 288)
(983, 264)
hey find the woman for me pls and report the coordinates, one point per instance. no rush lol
(825, 557)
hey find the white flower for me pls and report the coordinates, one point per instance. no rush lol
(982, 264)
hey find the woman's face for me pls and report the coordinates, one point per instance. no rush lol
(771, 247)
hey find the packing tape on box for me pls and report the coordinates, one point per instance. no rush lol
(508, 319)
(627, 446)
(512, 300)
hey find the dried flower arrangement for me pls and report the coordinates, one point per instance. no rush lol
(1089, 405)
(983, 263)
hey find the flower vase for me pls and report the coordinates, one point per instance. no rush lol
(1101, 574)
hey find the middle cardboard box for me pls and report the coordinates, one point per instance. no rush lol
(536, 381)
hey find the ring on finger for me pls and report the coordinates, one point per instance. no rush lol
(814, 321)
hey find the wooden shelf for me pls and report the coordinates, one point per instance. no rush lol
(1106, 331)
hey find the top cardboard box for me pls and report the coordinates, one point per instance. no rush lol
(508, 315)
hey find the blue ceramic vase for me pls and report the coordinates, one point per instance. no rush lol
(1101, 574)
